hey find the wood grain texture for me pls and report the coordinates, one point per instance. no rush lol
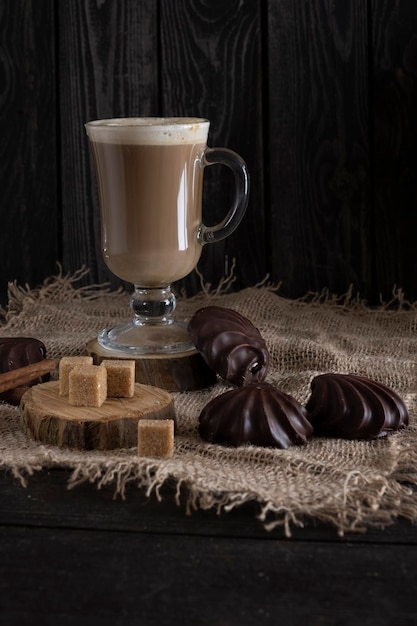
(108, 68)
(28, 171)
(50, 418)
(109, 578)
(319, 148)
(183, 371)
(394, 126)
(211, 66)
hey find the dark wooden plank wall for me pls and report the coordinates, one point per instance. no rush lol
(394, 132)
(29, 240)
(319, 97)
(319, 145)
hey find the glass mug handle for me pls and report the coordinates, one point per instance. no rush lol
(224, 156)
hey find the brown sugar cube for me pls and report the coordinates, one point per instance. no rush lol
(156, 438)
(66, 364)
(120, 378)
(87, 385)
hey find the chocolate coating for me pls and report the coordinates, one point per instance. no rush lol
(230, 344)
(354, 407)
(20, 351)
(256, 414)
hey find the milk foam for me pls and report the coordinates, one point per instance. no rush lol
(149, 130)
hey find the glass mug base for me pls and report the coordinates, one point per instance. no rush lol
(147, 339)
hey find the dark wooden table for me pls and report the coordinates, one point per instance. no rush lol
(82, 557)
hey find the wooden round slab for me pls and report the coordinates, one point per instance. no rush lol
(183, 371)
(48, 417)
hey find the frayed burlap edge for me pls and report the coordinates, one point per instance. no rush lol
(387, 499)
(63, 286)
(399, 500)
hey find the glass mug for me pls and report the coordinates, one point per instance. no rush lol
(150, 179)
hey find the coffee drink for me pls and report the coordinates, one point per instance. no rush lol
(150, 192)
(150, 181)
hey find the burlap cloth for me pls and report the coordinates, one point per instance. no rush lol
(351, 485)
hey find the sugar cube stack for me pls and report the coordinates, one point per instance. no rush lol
(87, 385)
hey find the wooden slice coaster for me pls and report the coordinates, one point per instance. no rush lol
(183, 371)
(49, 418)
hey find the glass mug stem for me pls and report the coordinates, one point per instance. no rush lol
(153, 305)
(149, 173)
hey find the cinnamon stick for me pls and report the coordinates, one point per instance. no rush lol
(23, 375)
